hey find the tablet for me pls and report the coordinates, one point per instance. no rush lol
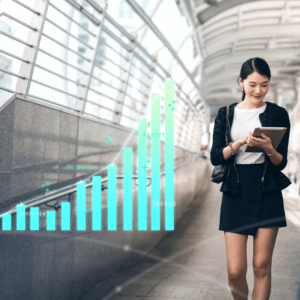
(274, 133)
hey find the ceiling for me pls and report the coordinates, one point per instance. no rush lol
(236, 30)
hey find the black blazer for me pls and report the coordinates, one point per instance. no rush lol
(273, 178)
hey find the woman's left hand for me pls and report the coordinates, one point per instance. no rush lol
(265, 142)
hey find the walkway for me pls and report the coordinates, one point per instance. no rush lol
(190, 263)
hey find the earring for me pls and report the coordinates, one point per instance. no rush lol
(242, 89)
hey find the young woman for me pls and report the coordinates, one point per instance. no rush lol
(252, 202)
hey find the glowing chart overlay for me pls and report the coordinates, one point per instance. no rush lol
(144, 162)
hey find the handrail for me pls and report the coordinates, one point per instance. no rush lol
(71, 189)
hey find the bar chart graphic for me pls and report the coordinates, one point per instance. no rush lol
(145, 161)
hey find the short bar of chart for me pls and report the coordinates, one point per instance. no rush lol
(34, 218)
(50, 220)
(155, 161)
(112, 197)
(142, 174)
(65, 216)
(169, 155)
(96, 194)
(127, 189)
(21, 221)
(6, 222)
(81, 206)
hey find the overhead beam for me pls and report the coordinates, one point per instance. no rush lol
(282, 30)
(213, 11)
(233, 72)
(241, 56)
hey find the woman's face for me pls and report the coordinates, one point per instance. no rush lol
(255, 86)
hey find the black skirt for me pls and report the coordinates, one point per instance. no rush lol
(251, 208)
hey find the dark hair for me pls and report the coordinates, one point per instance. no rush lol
(254, 64)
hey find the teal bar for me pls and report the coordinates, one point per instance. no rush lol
(112, 197)
(21, 217)
(127, 189)
(34, 218)
(142, 174)
(6, 222)
(81, 206)
(155, 161)
(169, 154)
(96, 212)
(65, 216)
(50, 220)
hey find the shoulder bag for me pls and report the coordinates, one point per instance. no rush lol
(221, 172)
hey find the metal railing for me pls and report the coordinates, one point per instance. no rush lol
(103, 28)
(68, 190)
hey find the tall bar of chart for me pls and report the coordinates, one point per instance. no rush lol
(155, 161)
(112, 197)
(142, 174)
(81, 206)
(169, 154)
(96, 199)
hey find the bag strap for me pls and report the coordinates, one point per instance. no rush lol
(227, 113)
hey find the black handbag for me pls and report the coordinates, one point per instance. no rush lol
(221, 172)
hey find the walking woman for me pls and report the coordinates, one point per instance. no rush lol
(252, 202)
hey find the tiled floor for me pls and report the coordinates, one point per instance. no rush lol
(190, 263)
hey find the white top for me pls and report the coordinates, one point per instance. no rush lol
(245, 121)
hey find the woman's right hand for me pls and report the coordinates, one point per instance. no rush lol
(244, 140)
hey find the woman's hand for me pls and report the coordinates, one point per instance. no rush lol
(244, 140)
(265, 142)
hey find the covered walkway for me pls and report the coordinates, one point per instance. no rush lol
(107, 111)
(190, 263)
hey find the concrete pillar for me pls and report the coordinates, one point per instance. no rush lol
(297, 91)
